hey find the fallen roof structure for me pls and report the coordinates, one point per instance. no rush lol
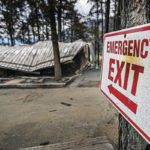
(30, 58)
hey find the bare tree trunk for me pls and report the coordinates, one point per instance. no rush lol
(60, 21)
(129, 139)
(8, 41)
(97, 35)
(11, 35)
(28, 35)
(11, 40)
(33, 32)
(95, 42)
(57, 66)
(37, 21)
(114, 27)
(102, 20)
(118, 21)
(38, 29)
(47, 32)
(71, 30)
(63, 35)
(107, 16)
(11, 27)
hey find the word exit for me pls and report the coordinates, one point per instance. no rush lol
(125, 75)
(117, 78)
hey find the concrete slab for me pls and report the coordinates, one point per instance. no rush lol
(19, 83)
(99, 143)
(13, 81)
(88, 78)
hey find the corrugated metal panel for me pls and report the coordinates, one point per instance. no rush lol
(30, 58)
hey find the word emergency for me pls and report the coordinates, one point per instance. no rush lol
(133, 48)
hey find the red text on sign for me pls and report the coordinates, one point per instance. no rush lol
(117, 78)
(135, 48)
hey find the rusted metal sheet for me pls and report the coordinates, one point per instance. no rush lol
(30, 58)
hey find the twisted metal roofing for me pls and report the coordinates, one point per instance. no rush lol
(30, 58)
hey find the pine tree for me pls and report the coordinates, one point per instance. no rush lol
(57, 65)
(35, 17)
(11, 13)
(97, 12)
(129, 138)
(59, 18)
(107, 16)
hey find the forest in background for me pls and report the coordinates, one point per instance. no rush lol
(29, 21)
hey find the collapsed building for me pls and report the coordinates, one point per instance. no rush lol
(38, 59)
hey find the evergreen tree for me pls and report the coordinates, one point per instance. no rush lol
(97, 12)
(35, 17)
(57, 66)
(107, 16)
(11, 11)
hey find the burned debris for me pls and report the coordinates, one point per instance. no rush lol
(38, 59)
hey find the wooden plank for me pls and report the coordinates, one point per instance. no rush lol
(29, 59)
(20, 58)
(99, 143)
(27, 53)
(37, 56)
(43, 52)
(48, 50)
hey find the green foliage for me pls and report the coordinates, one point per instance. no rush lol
(28, 21)
(11, 12)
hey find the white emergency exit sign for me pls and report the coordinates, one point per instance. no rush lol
(125, 75)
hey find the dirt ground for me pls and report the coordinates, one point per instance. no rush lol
(32, 117)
